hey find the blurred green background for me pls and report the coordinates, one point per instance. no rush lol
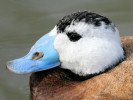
(22, 22)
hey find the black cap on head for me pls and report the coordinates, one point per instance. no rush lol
(86, 16)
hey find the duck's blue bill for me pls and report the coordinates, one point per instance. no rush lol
(34, 61)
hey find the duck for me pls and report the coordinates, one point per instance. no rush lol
(75, 59)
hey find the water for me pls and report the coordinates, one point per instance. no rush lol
(22, 22)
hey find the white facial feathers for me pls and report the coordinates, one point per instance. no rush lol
(98, 49)
(89, 30)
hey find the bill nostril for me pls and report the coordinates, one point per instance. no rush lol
(37, 55)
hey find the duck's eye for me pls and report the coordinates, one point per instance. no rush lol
(73, 36)
(37, 55)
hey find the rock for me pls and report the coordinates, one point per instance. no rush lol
(116, 84)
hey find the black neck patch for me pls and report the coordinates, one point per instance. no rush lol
(85, 16)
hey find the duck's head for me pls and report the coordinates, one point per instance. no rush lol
(83, 42)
